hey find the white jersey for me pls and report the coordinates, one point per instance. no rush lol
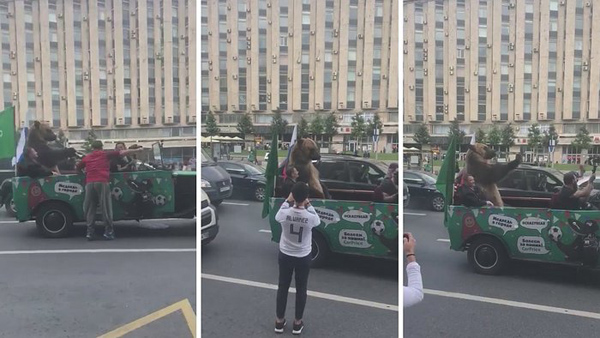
(296, 229)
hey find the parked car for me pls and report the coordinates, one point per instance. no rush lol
(530, 187)
(215, 181)
(348, 178)
(209, 224)
(247, 178)
(405, 195)
(421, 186)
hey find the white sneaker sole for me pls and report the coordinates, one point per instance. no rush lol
(297, 332)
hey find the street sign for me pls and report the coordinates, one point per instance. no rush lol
(551, 146)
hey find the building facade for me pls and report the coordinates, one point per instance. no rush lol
(124, 68)
(301, 58)
(490, 63)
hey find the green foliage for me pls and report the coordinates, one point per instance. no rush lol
(278, 124)
(422, 136)
(534, 137)
(456, 132)
(330, 125)
(373, 124)
(303, 129)
(245, 126)
(494, 137)
(480, 136)
(316, 125)
(507, 136)
(211, 125)
(582, 139)
(359, 128)
(87, 145)
(549, 134)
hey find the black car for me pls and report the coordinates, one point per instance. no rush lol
(406, 195)
(348, 178)
(530, 187)
(247, 178)
(421, 186)
(215, 181)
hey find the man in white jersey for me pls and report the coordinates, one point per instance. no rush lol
(297, 218)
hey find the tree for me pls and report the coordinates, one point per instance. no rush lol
(549, 134)
(494, 138)
(245, 126)
(87, 145)
(480, 136)
(330, 127)
(212, 129)
(303, 130)
(507, 136)
(373, 124)
(278, 124)
(316, 125)
(359, 129)
(422, 136)
(456, 132)
(534, 139)
(582, 140)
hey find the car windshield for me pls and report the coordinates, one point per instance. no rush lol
(429, 178)
(206, 160)
(254, 170)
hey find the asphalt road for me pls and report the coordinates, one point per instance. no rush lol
(244, 309)
(534, 284)
(85, 291)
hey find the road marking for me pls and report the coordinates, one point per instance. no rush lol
(413, 214)
(231, 203)
(310, 293)
(443, 240)
(33, 252)
(505, 302)
(14, 222)
(125, 220)
(184, 306)
(263, 230)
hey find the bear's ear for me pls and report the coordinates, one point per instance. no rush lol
(37, 124)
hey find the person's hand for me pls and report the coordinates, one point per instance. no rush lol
(290, 198)
(409, 244)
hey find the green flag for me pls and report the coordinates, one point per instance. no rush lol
(271, 174)
(7, 133)
(445, 180)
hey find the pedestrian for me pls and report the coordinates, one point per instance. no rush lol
(97, 186)
(413, 293)
(294, 252)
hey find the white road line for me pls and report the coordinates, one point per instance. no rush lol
(413, 214)
(14, 222)
(497, 301)
(126, 220)
(263, 230)
(310, 293)
(443, 240)
(33, 252)
(231, 203)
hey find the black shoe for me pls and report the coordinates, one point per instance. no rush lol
(279, 326)
(109, 236)
(298, 328)
(91, 237)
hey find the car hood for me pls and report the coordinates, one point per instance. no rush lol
(214, 173)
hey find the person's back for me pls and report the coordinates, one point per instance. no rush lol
(97, 165)
(296, 224)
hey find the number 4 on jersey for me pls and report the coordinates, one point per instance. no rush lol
(299, 233)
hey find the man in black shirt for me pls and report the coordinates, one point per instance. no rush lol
(569, 198)
(471, 195)
(387, 191)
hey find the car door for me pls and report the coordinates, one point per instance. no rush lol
(415, 185)
(334, 174)
(237, 173)
(360, 182)
(513, 189)
(540, 187)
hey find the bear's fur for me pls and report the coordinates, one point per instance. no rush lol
(40, 134)
(487, 175)
(304, 152)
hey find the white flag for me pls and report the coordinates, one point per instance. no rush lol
(473, 139)
(20, 146)
(294, 136)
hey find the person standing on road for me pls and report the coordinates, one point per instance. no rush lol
(97, 187)
(294, 252)
(413, 293)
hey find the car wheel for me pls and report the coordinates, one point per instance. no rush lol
(217, 202)
(437, 202)
(259, 193)
(11, 211)
(54, 220)
(320, 250)
(487, 256)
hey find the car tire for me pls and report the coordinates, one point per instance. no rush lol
(11, 211)
(437, 202)
(217, 202)
(54, 220)
(487, 256)
(259, 193)
(320, 250)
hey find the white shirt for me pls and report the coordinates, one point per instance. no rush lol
(296, 229)
(413, 293)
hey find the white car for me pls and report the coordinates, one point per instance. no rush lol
(209, 225)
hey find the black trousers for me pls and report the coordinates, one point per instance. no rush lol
(287, 266)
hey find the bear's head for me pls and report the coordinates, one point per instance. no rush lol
(40, 133)
(305, 151)
(482, 150)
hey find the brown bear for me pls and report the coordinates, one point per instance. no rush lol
(487, 175)
(305, 151)
(40, 134)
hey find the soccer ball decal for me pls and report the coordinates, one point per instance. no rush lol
(117, 193)
(554, 233)
(160, 200)
(378, 227)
